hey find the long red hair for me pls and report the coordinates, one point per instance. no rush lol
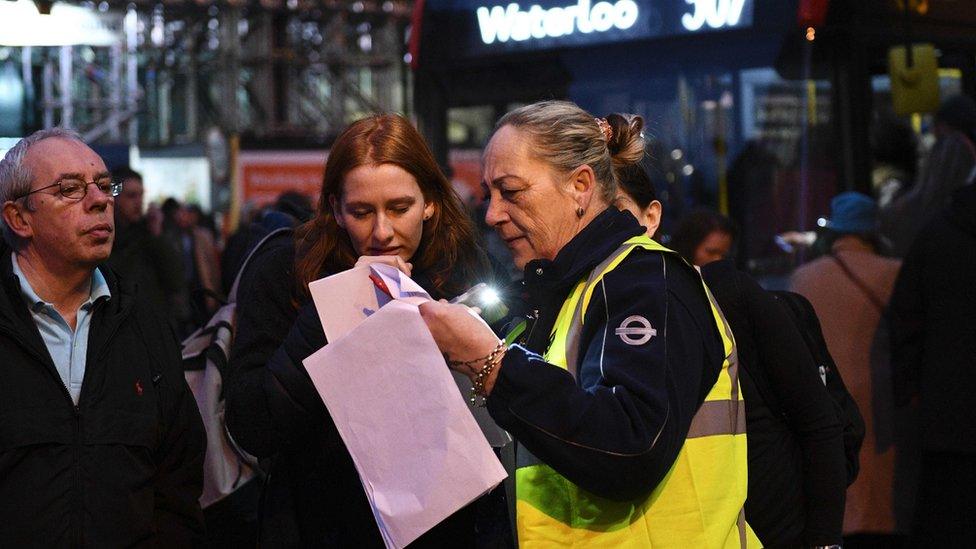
(448, 253)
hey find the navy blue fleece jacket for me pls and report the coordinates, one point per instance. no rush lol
(616, 429)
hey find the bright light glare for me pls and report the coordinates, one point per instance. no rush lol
(21, 25)
(489, 297)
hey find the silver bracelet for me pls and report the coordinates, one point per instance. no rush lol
(478, 384)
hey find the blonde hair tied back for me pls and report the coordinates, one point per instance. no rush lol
(567, 137)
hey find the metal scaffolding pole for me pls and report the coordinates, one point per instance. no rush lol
(130, 27)
(385, 76)
(27, 74)
(192, 67)
(115, 92)
(230, 44)
(48, 92)
(65, 68)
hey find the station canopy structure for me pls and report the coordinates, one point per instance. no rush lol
(173, 72)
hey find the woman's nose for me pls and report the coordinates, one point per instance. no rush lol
(494, 214)
(383, 228)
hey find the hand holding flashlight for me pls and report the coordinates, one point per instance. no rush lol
(485, 300)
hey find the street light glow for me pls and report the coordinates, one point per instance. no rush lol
(67, 25)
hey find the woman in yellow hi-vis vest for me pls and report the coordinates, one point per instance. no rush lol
(621, 387)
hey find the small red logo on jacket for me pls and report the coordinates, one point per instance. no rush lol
(139, 387)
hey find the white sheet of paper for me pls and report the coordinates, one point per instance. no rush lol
(345, 299)
(418, 450)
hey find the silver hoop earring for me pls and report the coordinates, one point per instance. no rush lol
(580, 211)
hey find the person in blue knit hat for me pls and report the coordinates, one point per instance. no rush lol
(853, 213)
(849, 288)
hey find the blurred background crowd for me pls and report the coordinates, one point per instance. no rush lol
(823, 146)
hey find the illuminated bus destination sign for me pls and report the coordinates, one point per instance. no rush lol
(512, 23)
(716, 13)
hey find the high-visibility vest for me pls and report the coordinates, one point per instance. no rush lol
(699, 503)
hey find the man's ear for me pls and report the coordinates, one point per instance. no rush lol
(18, 223)
(584, 185)
(337, 211)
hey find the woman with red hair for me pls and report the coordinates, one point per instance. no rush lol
(383, 199)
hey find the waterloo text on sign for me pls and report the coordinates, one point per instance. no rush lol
(511, 22)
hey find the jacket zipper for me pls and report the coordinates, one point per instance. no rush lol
(534, 318)
(76, 414)
(79, 526)
(101, 352)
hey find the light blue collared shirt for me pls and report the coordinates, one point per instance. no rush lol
(68, 348)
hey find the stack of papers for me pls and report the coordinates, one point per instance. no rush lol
(420, 454)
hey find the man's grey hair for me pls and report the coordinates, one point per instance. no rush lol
(16, 177)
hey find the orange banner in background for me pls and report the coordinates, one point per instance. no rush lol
(466, 164)
(266, 174)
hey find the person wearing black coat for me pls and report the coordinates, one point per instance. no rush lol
(933, 336)
(313, 496)
(797, 468)
(146, 259)
(139, 466)
(101, 442)
(369, 211)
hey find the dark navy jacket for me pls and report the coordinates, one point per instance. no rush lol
(617, 429)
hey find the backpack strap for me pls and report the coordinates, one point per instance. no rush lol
(232, 295)
(861, 285)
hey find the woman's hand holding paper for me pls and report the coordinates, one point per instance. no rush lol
(392, 260)
(462, 336)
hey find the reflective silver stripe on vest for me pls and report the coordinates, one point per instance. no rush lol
(722, 417)
(734, 408)
(733, 357)
(741, 524)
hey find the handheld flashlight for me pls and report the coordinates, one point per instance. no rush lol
(486, 299)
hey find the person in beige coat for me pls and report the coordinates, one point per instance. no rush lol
(201, 265)
(849, 288)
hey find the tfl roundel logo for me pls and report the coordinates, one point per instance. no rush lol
(635, 330)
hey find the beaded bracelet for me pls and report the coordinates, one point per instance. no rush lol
(483, 360)
(490, 362)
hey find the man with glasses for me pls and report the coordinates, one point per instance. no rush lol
(101, 443)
